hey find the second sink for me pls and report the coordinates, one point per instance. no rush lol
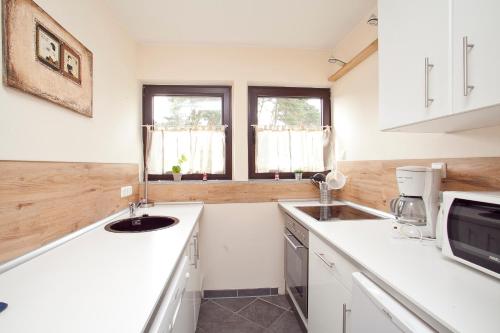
(142, 224)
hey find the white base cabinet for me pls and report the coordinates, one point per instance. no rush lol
(180, 306)
(330, 283)
(195, 283)
(183, 319)
(174, 313)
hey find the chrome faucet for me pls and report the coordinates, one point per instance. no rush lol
(132, 207)
(144, 202)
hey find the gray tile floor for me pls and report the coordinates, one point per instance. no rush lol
(270, 314)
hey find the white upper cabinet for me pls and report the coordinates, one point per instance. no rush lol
(477, 64)
(425, 66)
(413, 61)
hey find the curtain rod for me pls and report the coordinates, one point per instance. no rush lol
(155, 128)
(267, 126)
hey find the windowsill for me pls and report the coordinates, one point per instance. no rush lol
(224, 181)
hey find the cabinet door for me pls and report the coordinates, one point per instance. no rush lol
(328, 299)
(478, 21)
(183, 317)
(409, 32)
(194, 286)
(196, 275)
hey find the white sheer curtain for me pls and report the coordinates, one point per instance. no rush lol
(289, 149)
(204, 147)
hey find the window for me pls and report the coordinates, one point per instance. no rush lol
(194, 121)
(289, 130)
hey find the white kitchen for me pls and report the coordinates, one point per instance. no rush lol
(293, 166)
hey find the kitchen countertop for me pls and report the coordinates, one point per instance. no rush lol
(98, 282)
(447, 294)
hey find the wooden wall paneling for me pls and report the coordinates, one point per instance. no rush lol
(363, 182)
(43, 201)
(373, 183)
(232, 192)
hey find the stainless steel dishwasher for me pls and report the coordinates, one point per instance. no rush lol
(296, 265)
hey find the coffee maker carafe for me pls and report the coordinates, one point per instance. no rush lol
(418, 200)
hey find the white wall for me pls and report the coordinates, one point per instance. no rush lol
(241, 246)
(35, 129)
(238, 67)
(355, 100)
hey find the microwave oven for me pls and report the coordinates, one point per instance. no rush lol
(469, 229)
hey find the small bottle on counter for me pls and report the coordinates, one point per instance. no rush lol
(277, 175)
(325, 196)
(205, 177)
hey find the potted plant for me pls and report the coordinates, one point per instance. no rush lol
(177, 170)
(298, 174)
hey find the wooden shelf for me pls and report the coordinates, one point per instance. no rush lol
(359, 58)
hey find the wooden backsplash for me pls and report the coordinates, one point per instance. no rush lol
(43, 201)
(373, 183)
(232, 192)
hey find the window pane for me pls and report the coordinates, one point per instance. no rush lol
(289, 111)
(187, 111)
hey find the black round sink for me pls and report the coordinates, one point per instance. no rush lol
(142, 224)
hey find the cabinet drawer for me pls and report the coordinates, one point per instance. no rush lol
(340, 266)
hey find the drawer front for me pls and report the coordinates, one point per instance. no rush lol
(341, 267)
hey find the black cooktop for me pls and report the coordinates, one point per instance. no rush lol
(337, 213)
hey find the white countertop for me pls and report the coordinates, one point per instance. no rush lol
(444, 292)
(98, 282)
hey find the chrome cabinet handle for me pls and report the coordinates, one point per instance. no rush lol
(196, 250)
(197, 247)
(428, 67)
(322, 257)
(295, 247)
(344, 317)
(466, 47)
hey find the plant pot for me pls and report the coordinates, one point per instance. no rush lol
(177, 177)
(298, 176)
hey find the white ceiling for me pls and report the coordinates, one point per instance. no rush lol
(318, 24)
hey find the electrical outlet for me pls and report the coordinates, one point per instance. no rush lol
(440, 166)
(126, 191)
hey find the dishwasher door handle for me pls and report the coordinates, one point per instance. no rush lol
(295, 247)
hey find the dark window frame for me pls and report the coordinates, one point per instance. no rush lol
(149, 91)
(254, 92)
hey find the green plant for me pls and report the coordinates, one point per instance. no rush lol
(298, 171)
(177, 168)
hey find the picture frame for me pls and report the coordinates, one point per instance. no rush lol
(34, 45)
(48, 47)
(70, 64)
